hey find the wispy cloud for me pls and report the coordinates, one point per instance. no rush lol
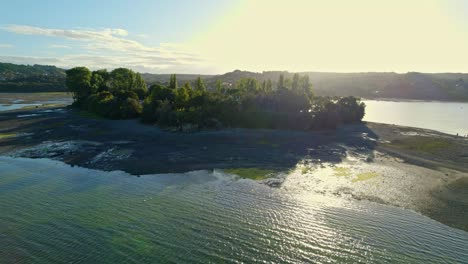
(108, 38)
(2, 45)
(29, 60)
(108, 48)
(139, 63)
(56, 46)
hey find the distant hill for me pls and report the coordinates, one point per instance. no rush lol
(31, 78)
(372, 85)
(164, 78)
(413, 85)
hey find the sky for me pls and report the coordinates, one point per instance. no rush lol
(217, 36)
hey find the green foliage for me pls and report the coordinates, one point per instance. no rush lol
(159, 92)
(249, 104)
(99, 80)
(125, 79)
(423, 144)
(200, 85)
(281, 82)
(269, 86)
(295, 82)
(305, 86)
(219, 86)
(251, 173)
(173, 82)
(181, 97)
(188, 86)
(114, 95)
(79, 83)
(248, 85)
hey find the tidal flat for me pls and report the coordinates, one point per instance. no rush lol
(413, 168)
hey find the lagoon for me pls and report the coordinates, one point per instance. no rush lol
(447, 117)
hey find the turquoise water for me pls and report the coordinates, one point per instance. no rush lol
(53, 213)
(447, 117)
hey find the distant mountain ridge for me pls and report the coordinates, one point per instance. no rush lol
(385, 85)
(372, 85)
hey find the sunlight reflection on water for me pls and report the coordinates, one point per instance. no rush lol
(94, 216)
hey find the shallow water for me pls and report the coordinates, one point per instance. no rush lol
(51, 212)
(15, 101)
(447, 117)
(9, 107)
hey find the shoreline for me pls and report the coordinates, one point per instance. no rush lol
(385, 99)
(361, 159)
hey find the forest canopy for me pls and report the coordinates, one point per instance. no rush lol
(290, 104)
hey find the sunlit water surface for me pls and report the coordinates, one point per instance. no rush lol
(447, 117)
(53, 213)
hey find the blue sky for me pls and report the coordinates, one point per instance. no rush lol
(215, 36)
(24, 38)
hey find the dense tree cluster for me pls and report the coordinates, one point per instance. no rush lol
(290, 104)
(114, 94)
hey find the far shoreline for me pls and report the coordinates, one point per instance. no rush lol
(384, 99)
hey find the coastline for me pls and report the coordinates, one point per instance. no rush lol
(362, 159)
(388, 99)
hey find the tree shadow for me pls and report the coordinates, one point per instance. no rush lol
(157, 151)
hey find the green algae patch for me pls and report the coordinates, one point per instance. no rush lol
(342, 172)
(7, 135)
(250, 173)
(53, 105)
(429, 145)
(29, 107)
(365, 176)
(306, 170)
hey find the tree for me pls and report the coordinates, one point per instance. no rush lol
(78, 81)
(287, 83)
(123, 79)
(99, 80)
(140, 87)
(181, 97)
(187, 86)
(200, 85)
(173, 82)
(295, 82)
(269, 86)
(159, 92)
(248, 84)
(305, 85)
(118, 94)
(219, 86)
(281, 82)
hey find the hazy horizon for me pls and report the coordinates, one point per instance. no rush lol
(214, 37)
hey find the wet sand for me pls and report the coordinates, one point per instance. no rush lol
(418, 169)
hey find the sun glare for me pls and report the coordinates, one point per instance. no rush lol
(346, 36)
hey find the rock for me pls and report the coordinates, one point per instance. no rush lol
(273, 182)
